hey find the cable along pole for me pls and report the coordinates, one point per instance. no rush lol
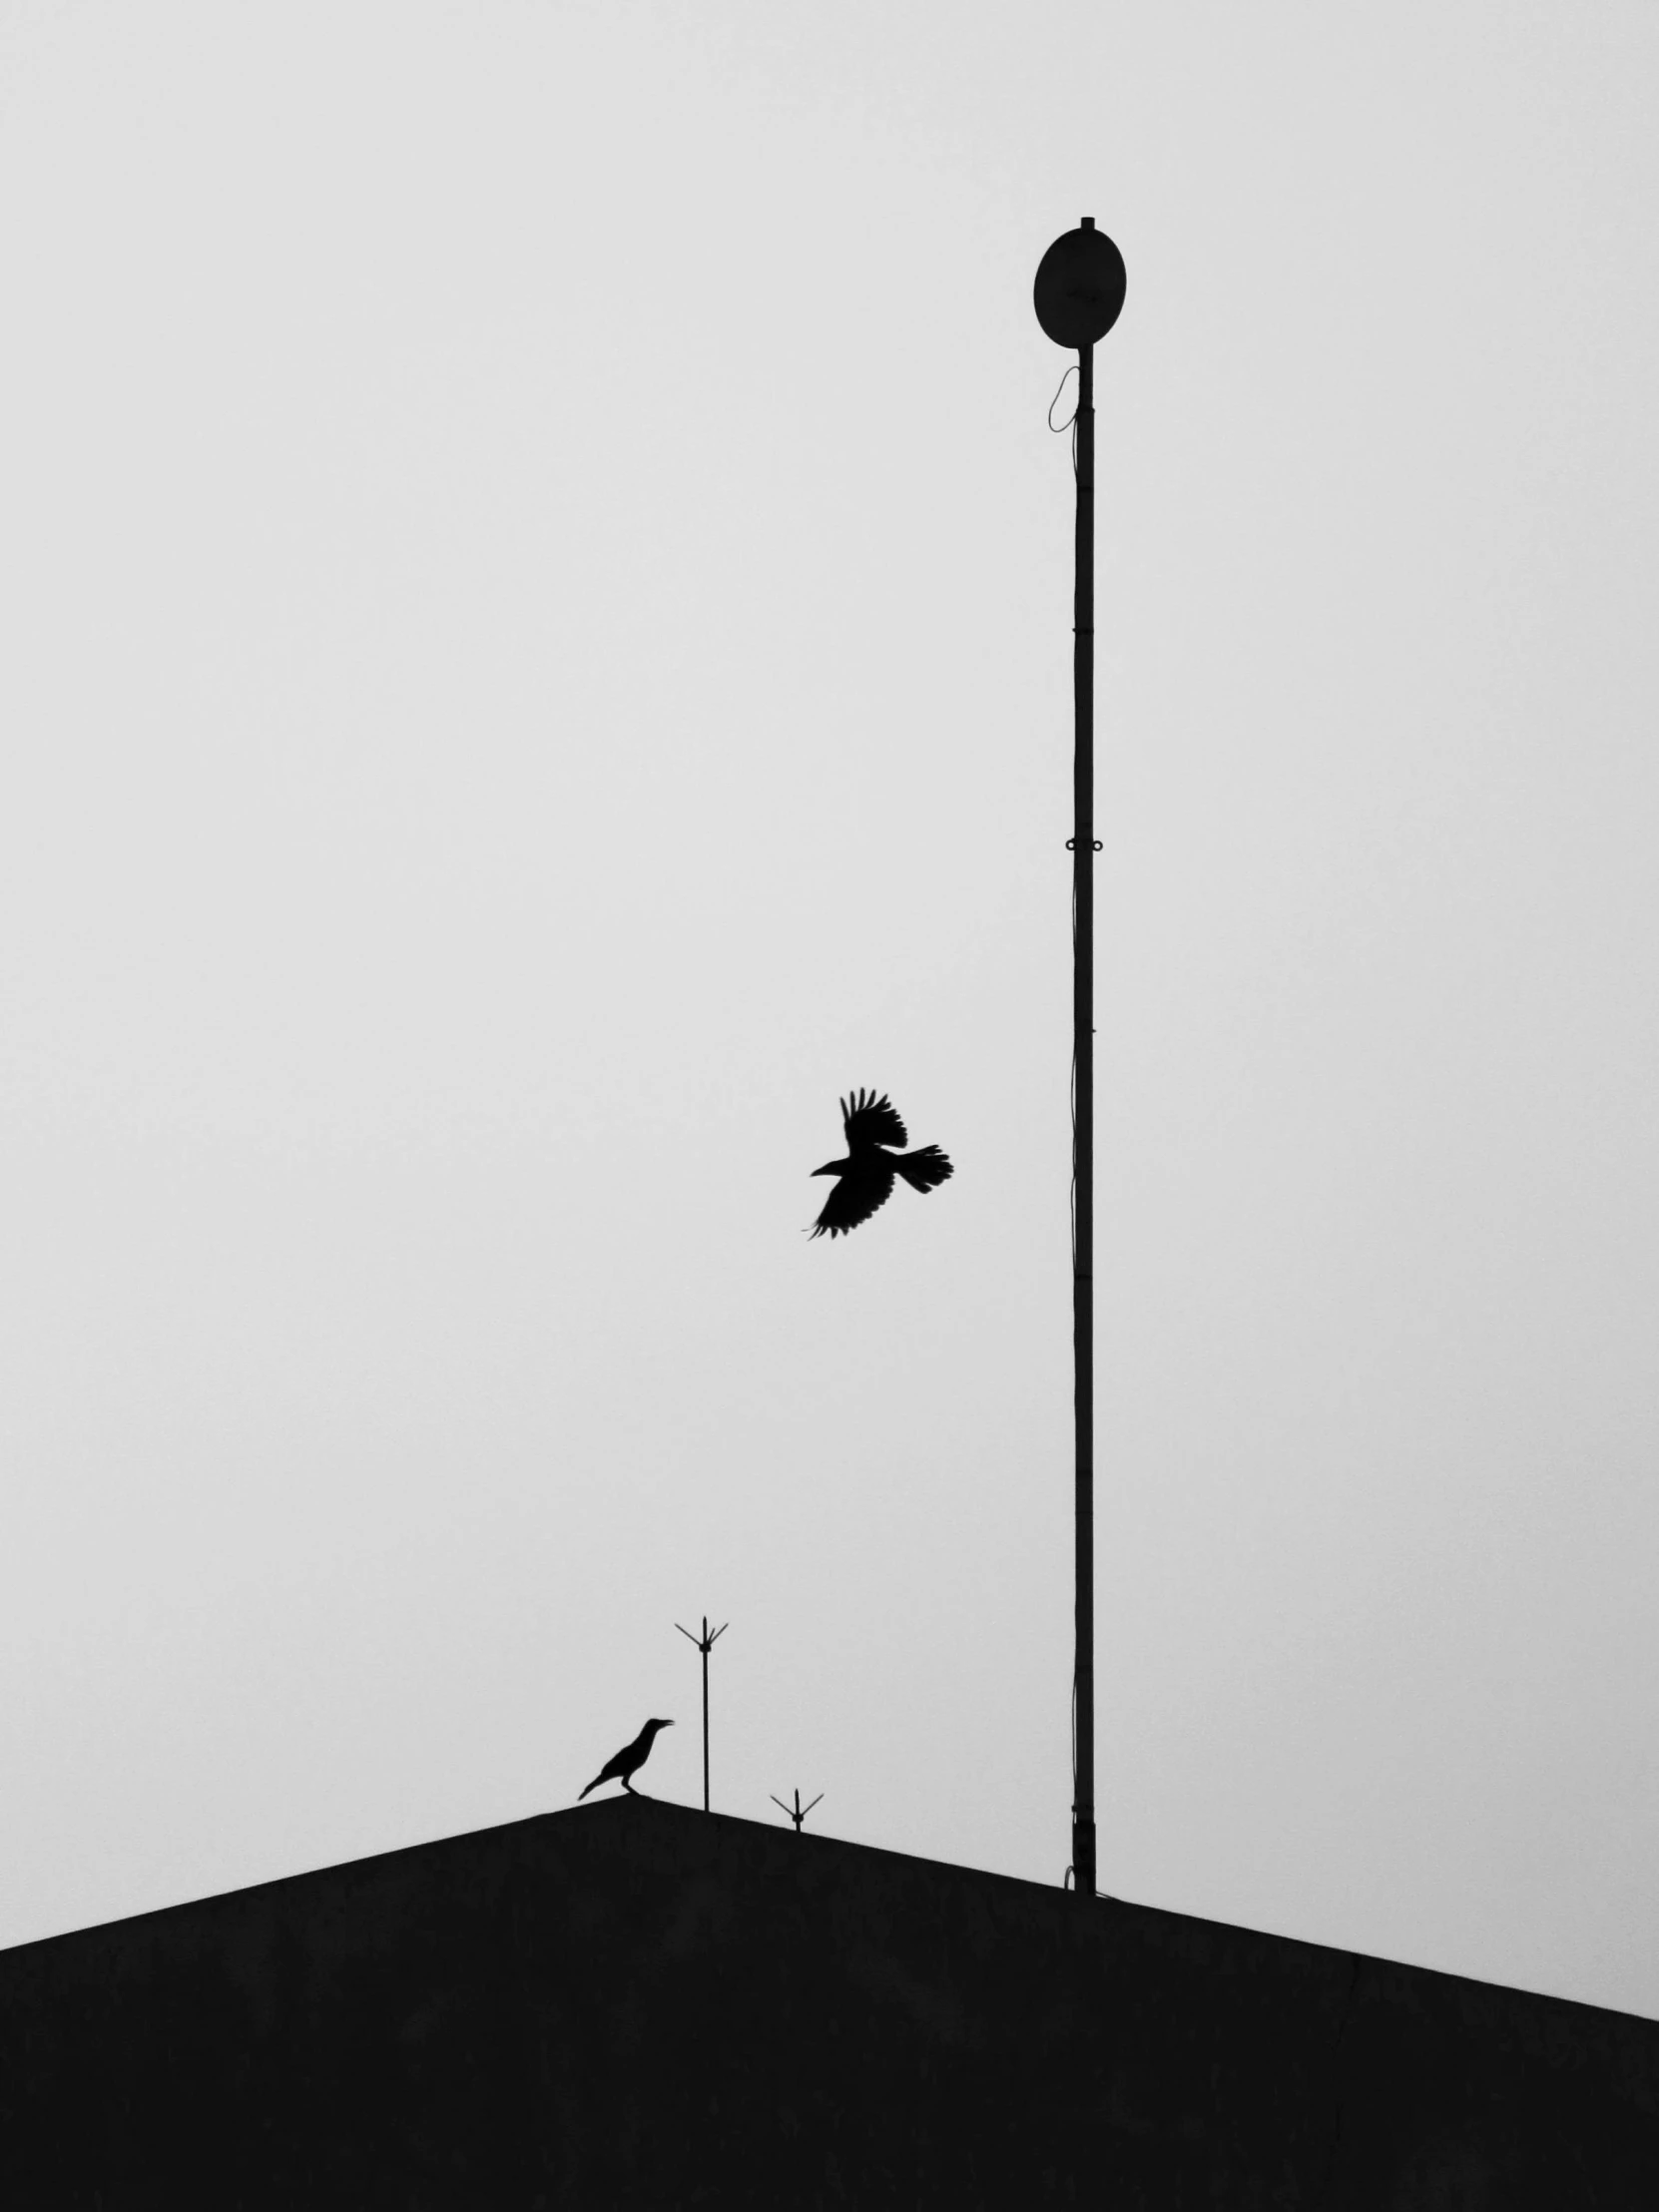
(1078, 296)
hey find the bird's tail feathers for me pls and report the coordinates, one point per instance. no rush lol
(593, 1785)
(924, 1170)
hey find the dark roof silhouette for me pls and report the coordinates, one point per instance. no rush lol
(635, 2004)
(864, 1179)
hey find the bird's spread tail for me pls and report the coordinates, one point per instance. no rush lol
(924, 1170)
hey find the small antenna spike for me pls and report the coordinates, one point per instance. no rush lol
(797, 1812)
(705, 1644)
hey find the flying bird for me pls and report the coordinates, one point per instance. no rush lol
(865, 1178)
(629, 1760)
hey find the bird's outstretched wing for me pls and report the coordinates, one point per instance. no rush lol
(855, 1198)
(872, 1120)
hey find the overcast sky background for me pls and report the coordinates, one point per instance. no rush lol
(538, 654)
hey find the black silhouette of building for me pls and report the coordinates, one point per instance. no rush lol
(633, 2004)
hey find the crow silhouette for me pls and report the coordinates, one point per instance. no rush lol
(629, 1760)
(866, 1176)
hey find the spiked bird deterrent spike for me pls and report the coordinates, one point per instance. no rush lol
(864, 1179)
(629, 1760)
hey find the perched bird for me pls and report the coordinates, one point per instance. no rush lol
(629, 1760)
(865, 1175)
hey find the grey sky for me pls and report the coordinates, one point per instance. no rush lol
(539, 654)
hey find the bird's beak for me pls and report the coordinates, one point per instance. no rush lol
(823, 1171)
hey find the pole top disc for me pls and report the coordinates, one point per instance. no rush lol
(1080, 285)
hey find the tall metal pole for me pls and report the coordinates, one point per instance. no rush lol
(1078, 296)
(1082, 1025)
